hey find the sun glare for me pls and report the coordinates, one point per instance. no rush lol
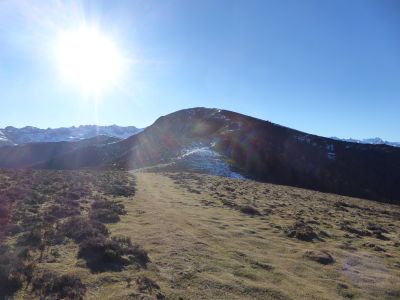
(88, 59)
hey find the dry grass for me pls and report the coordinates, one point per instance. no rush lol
(204, 245)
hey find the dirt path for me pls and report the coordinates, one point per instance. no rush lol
(166, 225)
(188, 242)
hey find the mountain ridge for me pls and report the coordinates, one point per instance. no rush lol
(374, 141)
(252, 147)
(17, 136)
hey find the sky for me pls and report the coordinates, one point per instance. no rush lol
(330, 68)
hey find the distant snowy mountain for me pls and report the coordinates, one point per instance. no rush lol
(17, 136)
(4, 140)
(374, 141)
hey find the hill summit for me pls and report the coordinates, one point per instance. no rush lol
(228, 143)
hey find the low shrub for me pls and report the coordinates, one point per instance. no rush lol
(120, 190)
(30, 238)
(136, 254)
(113, 205)
(15, 229)
(57, 211)
(103, 254)
(10, 281)
(303, 232)
(250, 210)
(47, 284)
(107, 211)
(146, 284)
(13, 270)
(104, 216)
(76, 193)
(3, 211)
(80, 228)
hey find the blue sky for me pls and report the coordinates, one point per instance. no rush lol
(330, 68)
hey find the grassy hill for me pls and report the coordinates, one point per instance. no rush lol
(119, 235)
(255, 148)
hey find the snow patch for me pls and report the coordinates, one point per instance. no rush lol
(331, 152)
(206, 160)
(304, 139)
(3, 137)
(4, 140)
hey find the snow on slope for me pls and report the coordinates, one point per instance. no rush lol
(4, 140)
(2, 136)
(205, 160)
(374, 141)
(31, 134)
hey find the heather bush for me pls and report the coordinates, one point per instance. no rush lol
(47, 284)
(103, 254)
(57, 211)
(104, 216)
(15, 229)
(120, 190)
(14, 270)
(79, 228)
(10, 282)
(43, 208)
(146, 284)
(30, 238)
(113, 205)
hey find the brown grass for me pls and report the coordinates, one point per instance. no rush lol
(203, 246)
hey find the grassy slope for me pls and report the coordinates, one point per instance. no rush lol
(203, 249)
(202, 246)
(38, 193)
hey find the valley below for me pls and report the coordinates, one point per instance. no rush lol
(180, 235)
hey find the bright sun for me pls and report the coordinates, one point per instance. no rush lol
(88, 59)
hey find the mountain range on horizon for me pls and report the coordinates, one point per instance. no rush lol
(11, 135)
(17, 136)
(375, 141)
(230, 144)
